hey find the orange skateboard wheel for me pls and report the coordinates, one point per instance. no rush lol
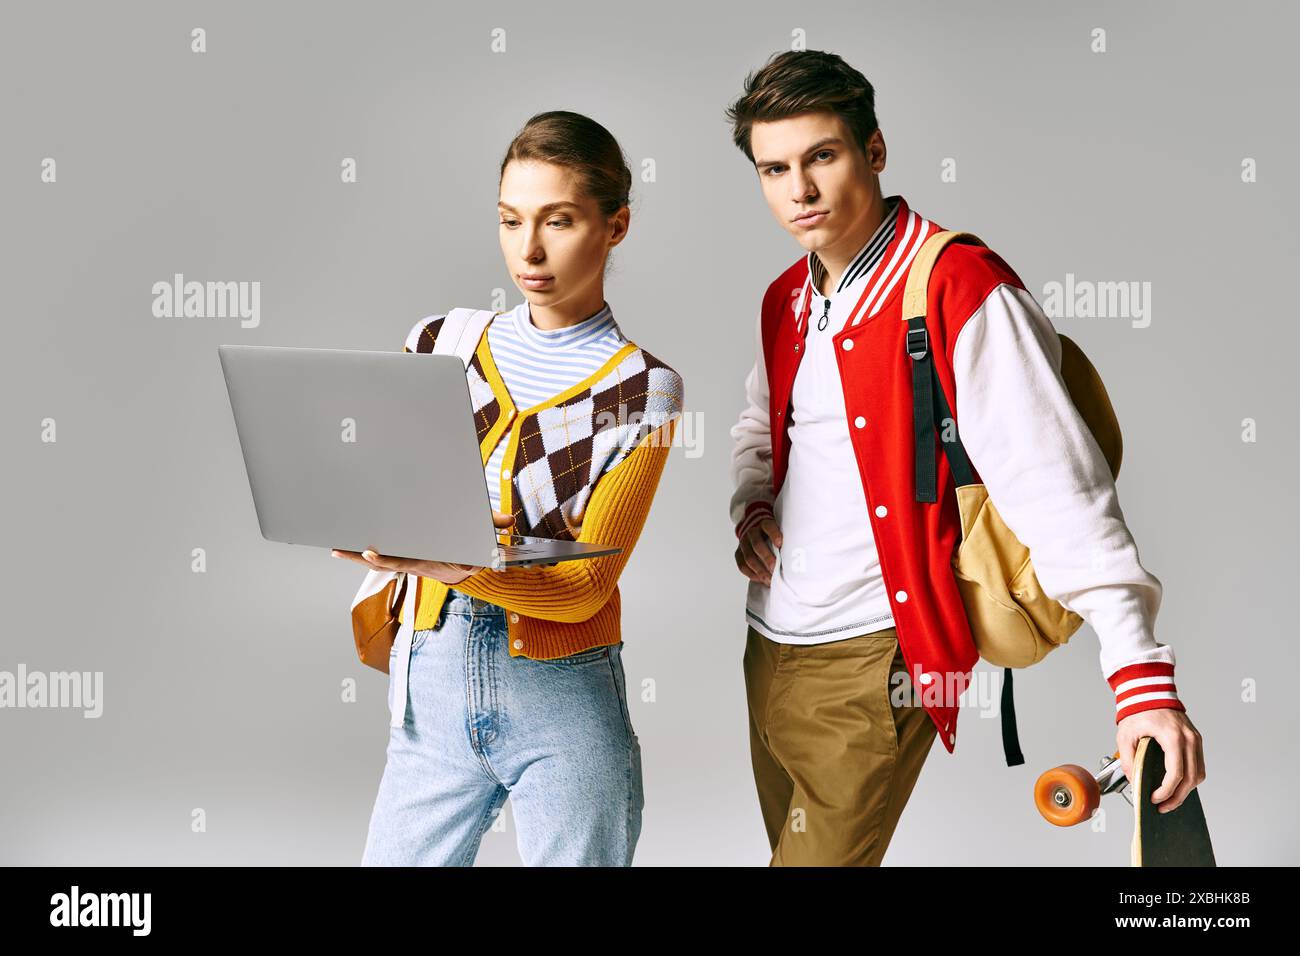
(1067, 795)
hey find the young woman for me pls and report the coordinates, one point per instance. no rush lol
(515, 682)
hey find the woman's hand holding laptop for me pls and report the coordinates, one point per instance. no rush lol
(444, 571)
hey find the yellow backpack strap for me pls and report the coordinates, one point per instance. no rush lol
(918, 276)
(929, 406)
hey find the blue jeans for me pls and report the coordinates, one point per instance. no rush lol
(555, 736)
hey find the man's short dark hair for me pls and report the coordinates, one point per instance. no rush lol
(803, 81)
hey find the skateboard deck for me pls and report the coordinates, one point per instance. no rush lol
(1068, 795)
(1177, 838)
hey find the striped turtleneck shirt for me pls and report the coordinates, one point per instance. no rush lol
(537, 364)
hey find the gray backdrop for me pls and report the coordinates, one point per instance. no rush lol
(224, 690)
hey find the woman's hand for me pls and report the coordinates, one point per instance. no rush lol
(444, 571)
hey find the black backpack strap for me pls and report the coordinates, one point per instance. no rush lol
(927, 400)
(1010, 737)
(930, 411)
(962, 473)
(918, 349)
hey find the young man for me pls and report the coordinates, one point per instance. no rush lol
(851, 580)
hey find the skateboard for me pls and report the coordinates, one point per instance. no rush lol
(1069, 794)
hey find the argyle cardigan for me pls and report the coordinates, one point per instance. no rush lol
(594, 450)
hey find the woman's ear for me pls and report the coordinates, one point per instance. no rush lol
(619, 223)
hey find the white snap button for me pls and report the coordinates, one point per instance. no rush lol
(881, 511)
(900, 596)
(927, 678)
(848, 345)
(952, 738)
(514, 618)
(860, 422)
(505, 472)
(518, 644)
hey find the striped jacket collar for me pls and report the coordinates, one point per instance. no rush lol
(877, 268)
(864, 259)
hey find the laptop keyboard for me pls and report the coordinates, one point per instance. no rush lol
(509, 553)
(522, 546)
(520, 549)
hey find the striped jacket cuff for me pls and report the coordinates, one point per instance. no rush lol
(755, 511)
(1144, 686)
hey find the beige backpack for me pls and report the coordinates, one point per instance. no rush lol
(1013, 623)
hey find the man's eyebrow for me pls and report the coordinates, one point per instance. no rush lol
(549, 207)
(823, 142)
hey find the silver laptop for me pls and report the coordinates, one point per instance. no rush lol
(361, 450)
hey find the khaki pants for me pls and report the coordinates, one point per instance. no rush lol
(834, 759)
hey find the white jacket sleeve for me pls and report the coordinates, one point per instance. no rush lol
(751, 449)
(1052, 485)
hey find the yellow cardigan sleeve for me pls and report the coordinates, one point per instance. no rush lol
(573, 591)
